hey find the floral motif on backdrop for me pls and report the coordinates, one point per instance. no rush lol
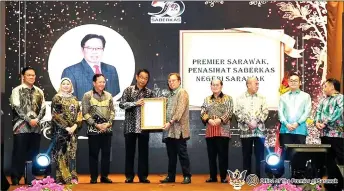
(313, 25)
(259, 3)
(212, 3)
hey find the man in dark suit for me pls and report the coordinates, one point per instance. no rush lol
(81, 74)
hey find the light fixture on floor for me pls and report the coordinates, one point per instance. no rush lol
(274, 167)
(41, 165)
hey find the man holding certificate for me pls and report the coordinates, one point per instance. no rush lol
(176, 130)
(131, 102)
(99, 112)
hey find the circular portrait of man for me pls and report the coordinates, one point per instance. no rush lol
(91, 49)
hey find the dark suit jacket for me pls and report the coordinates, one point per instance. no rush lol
(81, 75)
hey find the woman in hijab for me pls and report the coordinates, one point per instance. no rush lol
(66, 118)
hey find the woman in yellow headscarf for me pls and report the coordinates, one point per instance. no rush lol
(65, 120)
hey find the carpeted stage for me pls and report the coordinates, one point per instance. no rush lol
(198, 184)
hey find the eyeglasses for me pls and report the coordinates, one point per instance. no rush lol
(93, 48)
(294, 81)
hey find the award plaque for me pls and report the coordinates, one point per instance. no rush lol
(153, 113)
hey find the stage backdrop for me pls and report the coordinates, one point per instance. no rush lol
(200, 40)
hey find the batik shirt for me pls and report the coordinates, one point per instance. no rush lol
(251, 108)
(98, 109)
(27, 103)
(330, 112)
(178, 110)
(221, 108)
(294, 107)
(65, 110)
(131, 95)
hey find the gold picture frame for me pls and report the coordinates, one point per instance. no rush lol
(153, 114)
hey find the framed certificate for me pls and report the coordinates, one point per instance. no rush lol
(153, 114)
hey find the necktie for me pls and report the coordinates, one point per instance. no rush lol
(97, 71)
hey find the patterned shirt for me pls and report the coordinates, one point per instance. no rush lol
(217, 108)
(27, 104)
(251, 108)
(330, 111)
(98, 109)
(65, 110)
(294, 107)
(178, 110)
(132, 123)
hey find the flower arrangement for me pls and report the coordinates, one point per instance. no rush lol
(309, 121)
(46, 184)
(278, 187)
(312, 187)
(288, 187)
(284, 87)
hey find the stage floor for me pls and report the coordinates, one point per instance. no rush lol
(198, 184)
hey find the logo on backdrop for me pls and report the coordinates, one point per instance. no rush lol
(170, 12)
(252, 180)
(236, 178)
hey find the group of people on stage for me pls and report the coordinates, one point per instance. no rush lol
(97, 109)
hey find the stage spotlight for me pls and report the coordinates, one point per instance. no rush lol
(43, 160)
(272, 159)
(41, 165)
(274, 167)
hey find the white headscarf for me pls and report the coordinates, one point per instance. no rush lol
(65, 93)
